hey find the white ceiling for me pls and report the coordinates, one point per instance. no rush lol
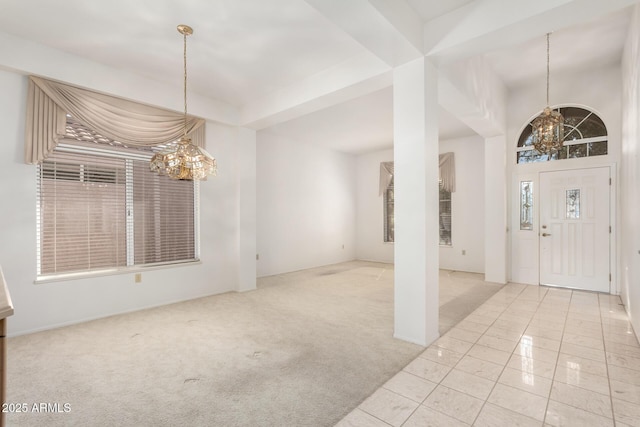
(431, 10)
(592, 44)
(240, 49)
(243, 50)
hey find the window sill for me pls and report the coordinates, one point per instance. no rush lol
(63, 277)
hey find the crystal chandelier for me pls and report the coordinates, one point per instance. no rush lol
(548, 127)
(184, 160)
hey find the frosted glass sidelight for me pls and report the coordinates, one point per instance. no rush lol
(526, 205)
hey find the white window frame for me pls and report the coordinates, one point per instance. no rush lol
(567, 142)
(129, 155)
(389, 218)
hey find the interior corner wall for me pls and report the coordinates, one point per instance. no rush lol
(630, 174)
(473, 92)
(47, 305)
(246, 170)
(467, 207)
(306, 205)
(370, 244)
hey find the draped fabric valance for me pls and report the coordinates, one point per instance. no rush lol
(386, 174)
(447, 173)
(121, 120)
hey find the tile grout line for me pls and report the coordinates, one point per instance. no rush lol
(371, 415)
(570, 303)
(456, 364)
(582, 388)
(555, 367)
(512, 352)
(402, 370)
(505, 365)
(439, 383)
(606, 364)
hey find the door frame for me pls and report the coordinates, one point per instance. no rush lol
(525, 244)
(601, 204)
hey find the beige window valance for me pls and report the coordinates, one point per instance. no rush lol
(447, 171)
(124, 121)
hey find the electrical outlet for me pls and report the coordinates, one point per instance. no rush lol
(138, 277)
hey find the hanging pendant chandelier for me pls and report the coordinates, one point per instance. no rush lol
(548, 127)
(184, 160)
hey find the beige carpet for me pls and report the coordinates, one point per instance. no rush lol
(302, 350)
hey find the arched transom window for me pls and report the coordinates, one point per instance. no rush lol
(585, 135)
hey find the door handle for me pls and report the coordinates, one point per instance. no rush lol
(545, 234)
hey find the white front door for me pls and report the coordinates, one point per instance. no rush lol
(574, 229)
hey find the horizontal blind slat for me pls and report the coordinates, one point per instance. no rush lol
(83, 211)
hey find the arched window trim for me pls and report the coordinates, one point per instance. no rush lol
(571, 142)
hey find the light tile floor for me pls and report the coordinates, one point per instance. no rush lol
(529, 356)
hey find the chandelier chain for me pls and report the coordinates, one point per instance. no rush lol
(185, 83)
(548, 127)
(548, 69)
(184, 160)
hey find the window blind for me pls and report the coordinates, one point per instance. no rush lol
(103, 209)
(163, 217)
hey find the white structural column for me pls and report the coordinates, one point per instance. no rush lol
(495, 202)
(246, 162)
(415, 122)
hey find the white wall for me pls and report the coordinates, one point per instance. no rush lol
(246, 173)
(306, 205)
(48, 305)
(598, 89)
(475, 94)
(370, 245)
(467, 206)
(630, 174)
